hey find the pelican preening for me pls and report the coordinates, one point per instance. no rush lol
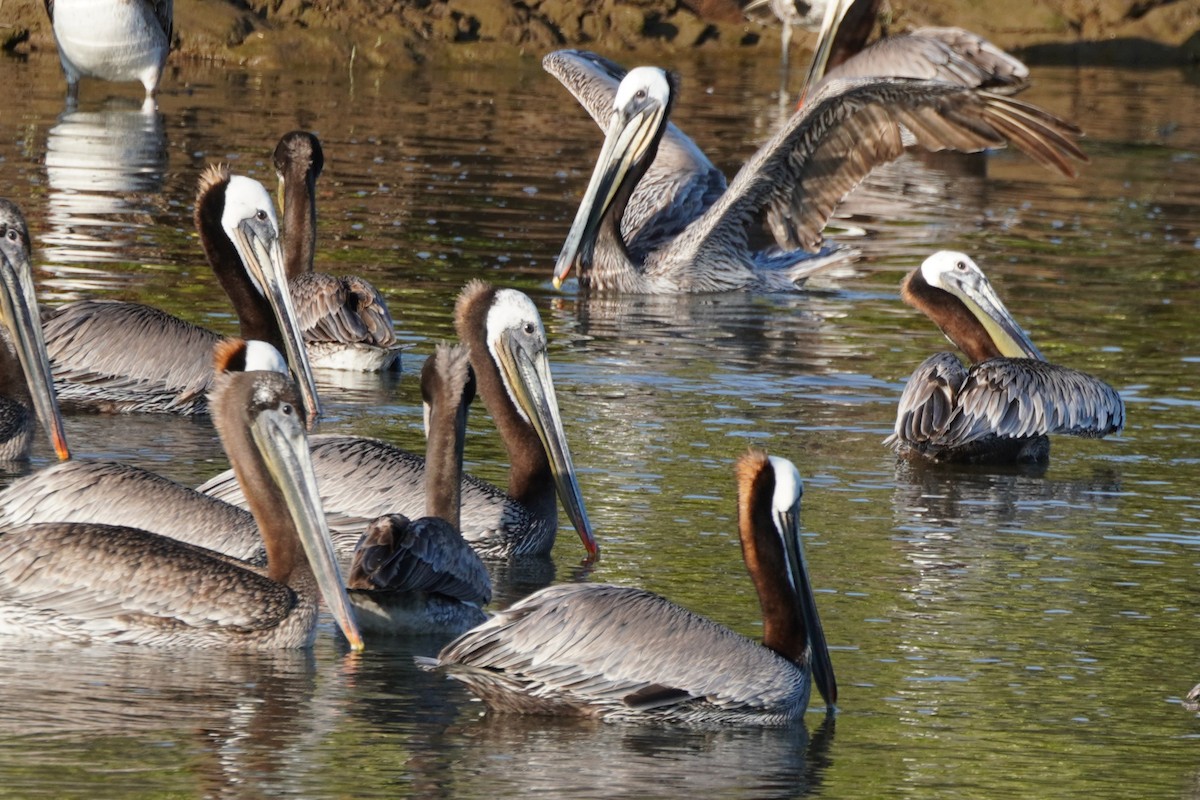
(25, 382)
(943, 54)
(657, 217)
(345, 319)
(114, 40)
(620, 653)
(94, 582)
(1001, 408)
(116, 356)
(420, 575)
(362, 479)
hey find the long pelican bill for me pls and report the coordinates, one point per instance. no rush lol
(626, 141)
(971, 286)
(528, 374)
(787, 524)
(835, 12)
(280, 438)
(18, 303)
(262, 254)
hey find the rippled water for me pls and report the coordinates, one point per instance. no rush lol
(996, 633)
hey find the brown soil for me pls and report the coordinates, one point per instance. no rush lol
(378, 33)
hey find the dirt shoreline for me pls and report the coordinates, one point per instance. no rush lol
(380, 33)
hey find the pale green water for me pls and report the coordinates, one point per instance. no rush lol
(997, 634)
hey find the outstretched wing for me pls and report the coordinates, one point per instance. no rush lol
(796, 179)
(953, 55)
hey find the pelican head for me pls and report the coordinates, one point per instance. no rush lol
(19, 313)
(785, 512)
(248, 219)
(961, 277)
(517, 343)
(639, 118)
(261, 425)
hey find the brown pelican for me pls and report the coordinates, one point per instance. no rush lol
(1003, 407)
(621, 653)
(25, 380)
(420, 575)
(362, 479)
(345, 319)
(93, 582)
(114, 40)
(658, 218)
(943, 54)
(116, 356)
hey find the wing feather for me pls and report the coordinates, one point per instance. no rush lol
(422, 555)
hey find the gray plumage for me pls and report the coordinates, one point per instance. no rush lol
(88, 581)
(362, 478)
(790, 186)
(112, 493)
(625, 654)
(1003, 407)
(952, 55)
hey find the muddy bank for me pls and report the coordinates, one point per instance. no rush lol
(379, 33)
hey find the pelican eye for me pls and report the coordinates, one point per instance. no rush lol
(286, 409)
(961, 266)
(12, 235)
(640, 94)
(529, 328)
(260, 215)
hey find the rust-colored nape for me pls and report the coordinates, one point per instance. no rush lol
(229, 355)
(951, 315)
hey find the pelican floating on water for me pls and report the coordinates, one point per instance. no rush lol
(953, 55)
(420, 575)
(114, 40)
(345, 319)
(621, 653)
(657, 216)
(93, 582)
(25, 382)
(116, 356)
(1001, 408)
(362, 479)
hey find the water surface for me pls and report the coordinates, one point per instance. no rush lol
(996, 633)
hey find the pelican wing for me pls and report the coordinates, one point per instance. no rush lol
(953, 55)
(1018, 397)
(119, 494)
(346, 309)
(613, 650)
(361, 479)
(928, 402)
(421, 555)
(135, 357)
(680, 184)
(796, 179)
(128, 584)
(945, 406)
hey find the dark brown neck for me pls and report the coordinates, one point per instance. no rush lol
(951, 315)
(299, 161)
(853, 32)
(530, 481)
(255, 318)
(447, 389)
(12, 377)
(783, 624)
(230, 401)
